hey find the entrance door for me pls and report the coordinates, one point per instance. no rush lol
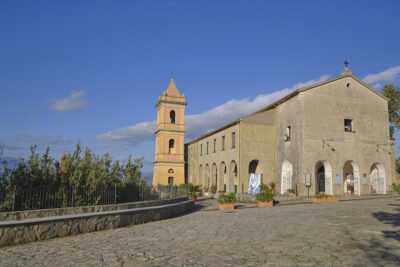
(170, 181)
(321, 179)
(377, 177)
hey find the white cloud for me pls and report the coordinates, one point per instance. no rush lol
(137, 133)
(378, 79)
(201, 123)
(75, 101)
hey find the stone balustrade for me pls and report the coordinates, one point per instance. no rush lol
(41, 228)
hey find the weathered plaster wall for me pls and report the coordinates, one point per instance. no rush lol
(289, 113)
(199, 160)
(257, 142)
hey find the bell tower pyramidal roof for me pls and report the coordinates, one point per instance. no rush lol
(172, 90)
(172, 95)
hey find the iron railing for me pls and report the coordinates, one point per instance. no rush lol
(45, 198)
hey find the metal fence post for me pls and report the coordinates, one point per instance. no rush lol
(13, 207)
(115, 194)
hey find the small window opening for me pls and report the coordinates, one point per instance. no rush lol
(233, 140)
(347, 85)
(286, 137)
(215, 145)
(171, 146)
(223, 143)
(172, 116)
(207, 149)
(348, 125)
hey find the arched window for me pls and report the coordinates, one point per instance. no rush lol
(171, 146)
(172, 116)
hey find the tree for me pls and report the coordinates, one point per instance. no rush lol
(393, 94)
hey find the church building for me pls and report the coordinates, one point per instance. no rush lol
(330, 137)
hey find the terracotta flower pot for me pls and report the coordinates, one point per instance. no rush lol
(194, 197)
(332, 199)
(291, 194)
(226, 206)
(325, 199)
(263, 204)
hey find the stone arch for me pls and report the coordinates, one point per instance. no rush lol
(232, 176)
(254, 166)
(214, 175)
(286, 176)
(323, 177)
(200, 178)
(172, 116)
(222, 177)
(377, 179)
(351, 173)
(206, 184)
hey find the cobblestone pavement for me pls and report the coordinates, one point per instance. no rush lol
(350, 233)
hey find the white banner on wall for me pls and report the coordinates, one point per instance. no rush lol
(254, 183)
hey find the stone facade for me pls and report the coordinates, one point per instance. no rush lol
(323, 133)
(169, 161)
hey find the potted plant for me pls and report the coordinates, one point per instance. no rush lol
(272, 185)
(323, 198)
(193, 191)
(291, 192)
(266, 197)
(227, 201)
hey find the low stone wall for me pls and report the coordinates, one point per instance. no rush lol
(29, 230)
(27, 214)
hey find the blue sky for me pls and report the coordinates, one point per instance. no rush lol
(93, 70)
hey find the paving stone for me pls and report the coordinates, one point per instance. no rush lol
(350, 233)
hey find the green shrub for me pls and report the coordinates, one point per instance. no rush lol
(266, 193)
(227, 198)
(396, 187)
(192, 189)
(290, 190)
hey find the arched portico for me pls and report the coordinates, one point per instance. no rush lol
(200, 179)
(286, 176)
(214, 175)
(206, 184)
(323, 177)
(351, 178)
(222, 181)
(232, 176)
(377, 179)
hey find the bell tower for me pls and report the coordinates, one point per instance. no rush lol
(169, 163)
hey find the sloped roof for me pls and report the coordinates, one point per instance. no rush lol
(172, 90)
(287, 97)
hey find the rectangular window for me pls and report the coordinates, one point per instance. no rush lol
(287, 134)
(223, 143)
(215, 145)
(348, 125)
(207, 149)
(201, 150)
(233, 140)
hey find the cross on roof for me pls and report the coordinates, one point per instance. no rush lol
(346, 63)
